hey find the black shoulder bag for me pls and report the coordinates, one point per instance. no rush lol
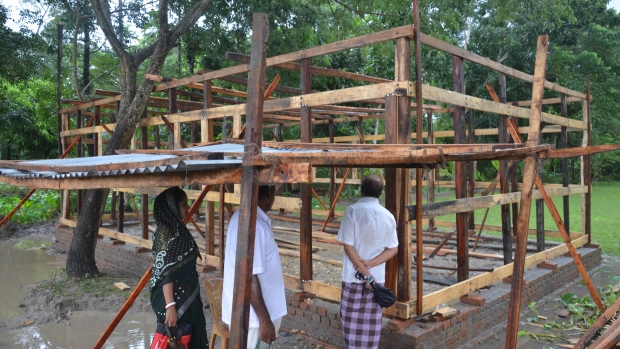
(383, 295)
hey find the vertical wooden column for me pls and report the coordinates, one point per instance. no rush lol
(431, 173)
(586, 167)
(144, 144)
(172, 109)
(472, 167)
(529, 174)
(206, 135)
(332, 170)
(305, 192)
(177, 135)
(502, 129)
(397, 181)
(249, 189)
(79, 121)
(66, 194)
(460, 185)
(419, 177)
(121, 212)
(540, 210)
(236, 126)
(97, 139)
(565, 198)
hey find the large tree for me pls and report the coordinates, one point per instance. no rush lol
(134, 97)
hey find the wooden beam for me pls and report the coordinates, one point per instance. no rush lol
(472, 57)
(529, 173)
(249, 190)
(305, 193)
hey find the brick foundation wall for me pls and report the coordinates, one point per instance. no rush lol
(321, 319)
(118, 257)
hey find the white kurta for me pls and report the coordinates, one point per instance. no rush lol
(370, 229)
(267, 266)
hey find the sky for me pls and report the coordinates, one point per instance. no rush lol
(615, 4)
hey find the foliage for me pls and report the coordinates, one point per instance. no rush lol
(42, 205)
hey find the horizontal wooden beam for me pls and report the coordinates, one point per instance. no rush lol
(472, 57)
(284, 173)
(454, 98)
(481, 202)
(475, 283)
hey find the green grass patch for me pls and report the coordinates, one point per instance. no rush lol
(96, 285)
(605, 214)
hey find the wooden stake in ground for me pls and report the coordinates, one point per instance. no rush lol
(529, 173)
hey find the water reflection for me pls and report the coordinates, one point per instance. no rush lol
(25, 264)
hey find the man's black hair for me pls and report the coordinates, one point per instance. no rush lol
(265, 190)
(372, 186)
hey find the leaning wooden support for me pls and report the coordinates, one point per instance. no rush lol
(514, 309)
(609, 339)
(558, 221)
(598, 325)
(331, 210)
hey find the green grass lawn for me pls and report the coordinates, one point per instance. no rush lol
(605, 215)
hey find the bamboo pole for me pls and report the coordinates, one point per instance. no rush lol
(319, 198)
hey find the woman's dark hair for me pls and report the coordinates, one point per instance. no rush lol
(265, 190)
(372, 186)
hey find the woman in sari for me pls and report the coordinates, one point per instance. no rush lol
(174, 286)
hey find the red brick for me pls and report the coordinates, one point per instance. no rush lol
(446, 324)
(322, 311)
(451, 340)
(591, 245)
(118, 242)
(303, 306)
(473, 300)
(399, 325)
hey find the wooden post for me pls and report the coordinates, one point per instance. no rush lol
(586, 170)
(398, 131)
(305, 192)
(529, 174)
(206, 135)
(172, 109)
(472, 167)
(502, 129)
(121, 211)
(566, 207)
(144, 144)
(221, 229)
(97, 143)
(419, 176)
(431, 172)
(79, 121)
(332, 170)
(59, 87)
(249, 190)
(540, 213)
(462, 259)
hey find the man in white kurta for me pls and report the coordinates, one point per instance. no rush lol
(268, 303)
(368, 232)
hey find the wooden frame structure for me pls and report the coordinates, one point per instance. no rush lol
(392, 100)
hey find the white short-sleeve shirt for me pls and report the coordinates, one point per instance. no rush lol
(267, 266)
(370, 229)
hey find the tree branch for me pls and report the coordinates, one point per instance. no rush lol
(188, 20)
(107, 29)
(359, 12)
(99, 76)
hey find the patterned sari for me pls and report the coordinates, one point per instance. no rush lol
(175, 253)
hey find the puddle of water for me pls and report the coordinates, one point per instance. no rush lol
(24, 263)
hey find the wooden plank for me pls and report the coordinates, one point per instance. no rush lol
(477, 282)
(504, 175)
(90, 104)
(470, 56)
(459, 99)
(351, 94)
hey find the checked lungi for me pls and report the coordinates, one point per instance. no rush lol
(360, 316)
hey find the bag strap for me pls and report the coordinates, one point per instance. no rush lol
(187, 303)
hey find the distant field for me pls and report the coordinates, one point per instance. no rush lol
(605, 215)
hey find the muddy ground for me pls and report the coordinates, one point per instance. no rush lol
(56, 299)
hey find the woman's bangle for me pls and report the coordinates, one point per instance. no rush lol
(170, 304)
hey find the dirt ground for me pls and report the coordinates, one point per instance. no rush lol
(55, 299)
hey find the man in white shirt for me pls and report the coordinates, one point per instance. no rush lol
(268, 302)
(368, 232)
